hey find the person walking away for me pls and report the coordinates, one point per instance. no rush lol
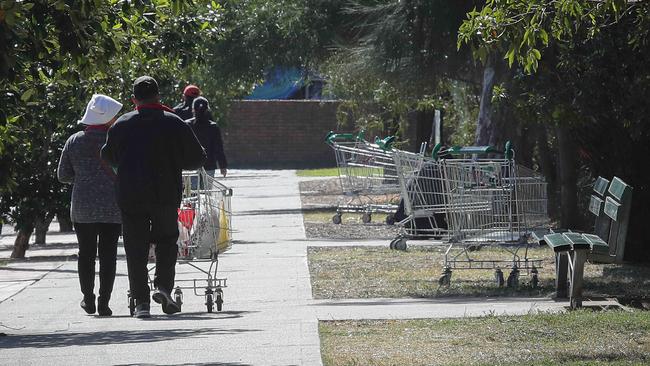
(150, 147)
(209, 134)
(184, 109)
(94, 210)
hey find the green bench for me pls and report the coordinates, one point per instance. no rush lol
(605, 245)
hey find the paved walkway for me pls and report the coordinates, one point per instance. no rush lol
(269, 317)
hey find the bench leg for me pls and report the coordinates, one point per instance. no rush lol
(578, 259)
(561, 268)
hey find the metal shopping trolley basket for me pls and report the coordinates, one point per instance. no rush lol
(422, 212)
(204, 225)
(491, 200)
(367, 175)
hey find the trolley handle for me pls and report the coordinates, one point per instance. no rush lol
(386, 143)
(508, 152)
(332, 137)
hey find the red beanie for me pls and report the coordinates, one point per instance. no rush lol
(192, 91)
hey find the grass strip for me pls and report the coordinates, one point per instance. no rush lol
(576, 338)
(372, 272)
(324, 172)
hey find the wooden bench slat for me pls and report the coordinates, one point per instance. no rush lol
(558, 242)
(612, 208)
(600, 186)
(577, 241)
(538, 236)
(595, 205)
(618, 188)
(598, 245)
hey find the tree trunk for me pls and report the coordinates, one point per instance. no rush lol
(548, 167)
(65, 224)
(485, 128)
(569, 218)
(22, 243)
(41, 226)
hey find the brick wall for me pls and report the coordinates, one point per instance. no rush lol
(279, 134)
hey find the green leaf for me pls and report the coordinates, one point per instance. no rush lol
(543, 36)
(510, 56)
(536, 53)
(117, 25)
(27, 95)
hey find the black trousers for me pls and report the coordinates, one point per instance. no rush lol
(87, 235)
(142, 226)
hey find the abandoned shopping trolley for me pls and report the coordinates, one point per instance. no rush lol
(366, 174)
(471, 202)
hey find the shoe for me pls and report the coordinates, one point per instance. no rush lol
(169, 306)
(142, 311)
(102, 307)
(88, 304)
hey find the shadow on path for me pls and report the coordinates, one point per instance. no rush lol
(283, 211)
(187, 364)
(63, 339)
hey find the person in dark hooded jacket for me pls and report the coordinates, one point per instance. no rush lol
(184, 110)
(209, 134)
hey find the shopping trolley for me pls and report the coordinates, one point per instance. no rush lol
(204, 225)
(472, 202)
(366, 173)
(423, 199)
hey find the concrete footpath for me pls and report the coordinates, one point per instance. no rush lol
(268, 317)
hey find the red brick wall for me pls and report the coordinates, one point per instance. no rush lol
(279, 134)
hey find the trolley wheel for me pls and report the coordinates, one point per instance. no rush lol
(498, 276)
(390, 219)
(219, 299)
(400, 244)
(178, 297)
(445, 278)
(534, 281)
(131, 301)
(513, 278)
(209, 302)
(366, 217)
(336, 219)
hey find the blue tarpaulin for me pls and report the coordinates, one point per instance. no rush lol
(280, 83)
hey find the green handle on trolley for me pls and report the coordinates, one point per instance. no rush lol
(331, 136)
(466, 150)
(509, 153)
(386, 143)
(436, 150)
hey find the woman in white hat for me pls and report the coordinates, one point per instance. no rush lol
(94, 210)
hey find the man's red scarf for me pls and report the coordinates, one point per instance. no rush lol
(159, 106)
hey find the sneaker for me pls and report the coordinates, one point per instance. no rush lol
(102, 307)
(142, 311)
(88, 304)
(169, 306)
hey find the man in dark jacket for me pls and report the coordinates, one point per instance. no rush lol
(150, 147)
(209, 134)
(184, 110)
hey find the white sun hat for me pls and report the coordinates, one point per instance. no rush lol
(100, 110)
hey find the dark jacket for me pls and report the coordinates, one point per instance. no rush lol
(209, 134)
(184, 110)
(150, 148)
(93, 190)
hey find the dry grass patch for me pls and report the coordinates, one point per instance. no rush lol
(369, 272)
(576, 338)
